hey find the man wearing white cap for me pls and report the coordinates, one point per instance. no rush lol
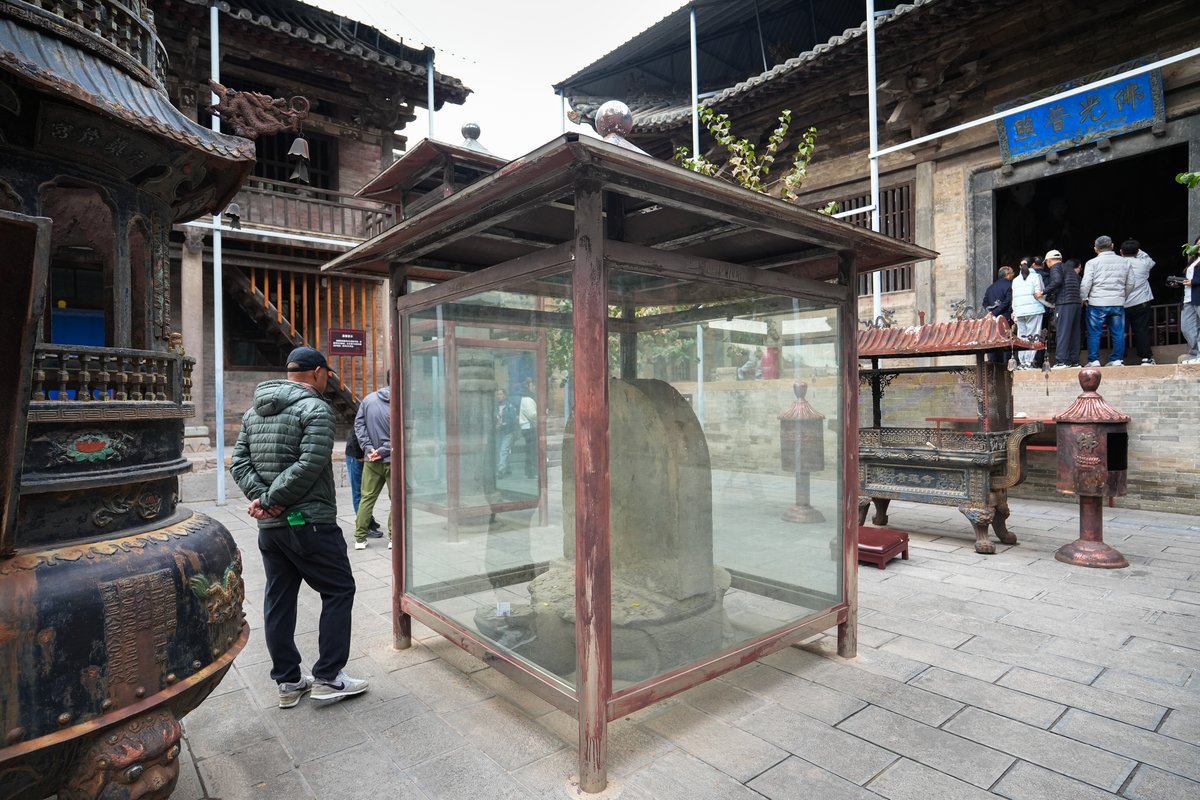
(1062, 289)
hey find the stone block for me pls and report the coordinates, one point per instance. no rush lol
(1097, 701)
(1160, 751)
(990, 697)
(908, 780)
(1149, 783)
(794, 779)
(1031, 782)
(716, 742)
(503, 733)
(1058, 753)
(961, 758)
(466, 774)
(852, 758)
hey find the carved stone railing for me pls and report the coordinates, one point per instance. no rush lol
(122, 33)
(71, 375)
(265, 203)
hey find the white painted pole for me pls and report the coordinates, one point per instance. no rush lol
(700, 373)
(873, 125)
(429, 90)
(562, 96)
(695, 90)
(214, 55)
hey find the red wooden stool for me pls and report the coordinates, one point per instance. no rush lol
(878, 546)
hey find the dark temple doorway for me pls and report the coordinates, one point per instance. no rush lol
(1129, 198)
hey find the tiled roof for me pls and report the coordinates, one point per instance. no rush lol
(319, 27)
(65, 70)
(923, 18)
(942, 338)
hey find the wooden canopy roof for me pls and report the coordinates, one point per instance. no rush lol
(527, 207)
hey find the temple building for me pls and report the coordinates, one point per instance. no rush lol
(1053, 177)
(1070, 156)
(361, 87)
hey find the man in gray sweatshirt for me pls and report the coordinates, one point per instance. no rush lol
(1107, 281)
(373, 427)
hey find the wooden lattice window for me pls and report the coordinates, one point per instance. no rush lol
(896, 221)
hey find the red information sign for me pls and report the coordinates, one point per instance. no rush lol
(347, 342)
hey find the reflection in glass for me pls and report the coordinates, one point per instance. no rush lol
(708, 550)
(482, 520)
(704, 555)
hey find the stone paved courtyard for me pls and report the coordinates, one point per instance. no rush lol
(1011, 675)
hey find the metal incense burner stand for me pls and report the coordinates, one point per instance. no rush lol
(1093, 459)
(802, 450)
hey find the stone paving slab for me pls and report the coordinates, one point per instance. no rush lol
(1009, 676)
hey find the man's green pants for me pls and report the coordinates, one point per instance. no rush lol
(376, 475)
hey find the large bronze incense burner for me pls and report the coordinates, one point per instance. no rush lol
(968, 458)
(120, 610)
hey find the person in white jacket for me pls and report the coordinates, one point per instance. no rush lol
(1027, 309)
(1137, 304)
(1107, 281)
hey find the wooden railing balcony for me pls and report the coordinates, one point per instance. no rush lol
(274, 205)
(67, 376)
(121, 32)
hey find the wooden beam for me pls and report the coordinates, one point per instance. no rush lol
(722, 272)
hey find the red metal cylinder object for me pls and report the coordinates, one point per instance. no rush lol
(1093, 462)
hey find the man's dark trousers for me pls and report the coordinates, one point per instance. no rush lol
(316, 554)
(1137, 318)
(1067, 323)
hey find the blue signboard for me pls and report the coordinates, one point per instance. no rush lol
(1125, 105)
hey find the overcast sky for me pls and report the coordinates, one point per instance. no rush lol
(509, 54)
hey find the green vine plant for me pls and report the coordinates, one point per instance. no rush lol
(1191, 180)
(746, 166)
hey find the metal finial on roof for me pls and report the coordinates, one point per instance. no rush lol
(614, 121)
(470, 132)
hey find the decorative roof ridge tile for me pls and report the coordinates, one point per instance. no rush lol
(448, 83)
(955, 336)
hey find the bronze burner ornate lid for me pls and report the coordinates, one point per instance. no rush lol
(955, 337)
(1090, 406)
(800, 408)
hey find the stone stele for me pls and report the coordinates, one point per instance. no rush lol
(666, 593)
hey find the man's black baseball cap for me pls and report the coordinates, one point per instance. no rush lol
(306, 359)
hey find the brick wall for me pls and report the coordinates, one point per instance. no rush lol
(742, 426)
(358, 162)
(1164, 449)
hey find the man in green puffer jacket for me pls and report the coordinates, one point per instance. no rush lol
(283, 462)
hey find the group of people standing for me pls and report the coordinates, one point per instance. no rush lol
(515, 416)
(1115, 289)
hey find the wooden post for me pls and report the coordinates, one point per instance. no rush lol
(593, 588)
(341, 316)
(375, 336)
(329, 318)
(353, 362)
(848, 334)
(304, 291)
(316, 334)
(292, 302)
(279, 296)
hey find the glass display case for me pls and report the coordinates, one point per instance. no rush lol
(653, 323)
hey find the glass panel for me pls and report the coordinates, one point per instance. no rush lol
(934, 397)
(483, 418)
(726, 519)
